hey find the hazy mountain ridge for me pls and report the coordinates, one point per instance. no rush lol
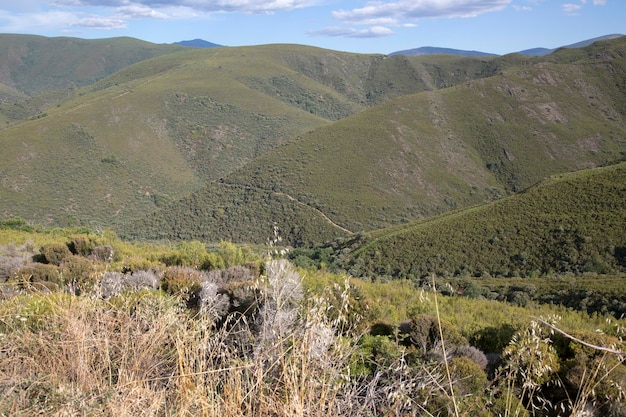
(198, 43)
(537, 51)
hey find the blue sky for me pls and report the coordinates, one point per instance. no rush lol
(379, 26)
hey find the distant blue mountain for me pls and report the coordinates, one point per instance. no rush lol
(546, 51)
(431, 50)
(198, 43)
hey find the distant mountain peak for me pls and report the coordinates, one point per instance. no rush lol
(198, 43)
(547, 51)
(431, 50)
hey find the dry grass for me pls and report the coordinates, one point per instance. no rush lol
(146, 354)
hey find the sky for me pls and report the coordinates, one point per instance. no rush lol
(361, 26)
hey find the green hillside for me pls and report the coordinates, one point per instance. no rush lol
(570, 223)
(163, 127)
(323, 143)
(34, 64)
(423, 154)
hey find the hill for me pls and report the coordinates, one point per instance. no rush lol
(318, 143)
(546, 51)
(569, 223)
(538, 51)
(34, 66)
(420, 154)
(161, 128)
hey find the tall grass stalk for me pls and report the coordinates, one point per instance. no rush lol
(452, 396)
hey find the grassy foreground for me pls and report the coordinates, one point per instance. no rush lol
(289, 343)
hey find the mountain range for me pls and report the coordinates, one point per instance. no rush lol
(172, 142)
(432, 50)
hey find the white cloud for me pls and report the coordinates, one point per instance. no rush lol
(571, 8)
(29, 22)
(242, 6)
(138, 11)
(522, 8)
(98, 22)
(417, 9)
(27, 15)
(372, 32)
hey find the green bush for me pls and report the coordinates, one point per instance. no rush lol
(469, 376)
(424, 332)
(54, 253)
(79, 274)
(38, 276)
(81, 245)
(493, 339)
(374, 353)
(136, 264)
(16, 223)
(589, 374)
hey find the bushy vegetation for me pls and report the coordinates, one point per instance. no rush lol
(569, 224)
(260, 337)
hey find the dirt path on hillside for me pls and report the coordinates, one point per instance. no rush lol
(280, 193)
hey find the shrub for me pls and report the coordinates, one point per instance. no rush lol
(213, 261)
(182, 281)
(11, 258)
(135, 264)
(111, 284)
(81, 245)
(493, 339)
(470, 352)
(223, 277)
(530, 363)
(375, 353)
(591, 375)
(39, 276)
(281, 298)
(240, 285)
(103, 253)
(236, 255)
(142, 280)
(381, 328)
(424, 332)
(470, 377)
(213, 304)
(16, 223)
(54, 253)
(191, 254)
(79, 274)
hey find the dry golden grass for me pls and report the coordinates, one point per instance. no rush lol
(146, 353)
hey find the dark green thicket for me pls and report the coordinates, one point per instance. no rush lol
(569, 224)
